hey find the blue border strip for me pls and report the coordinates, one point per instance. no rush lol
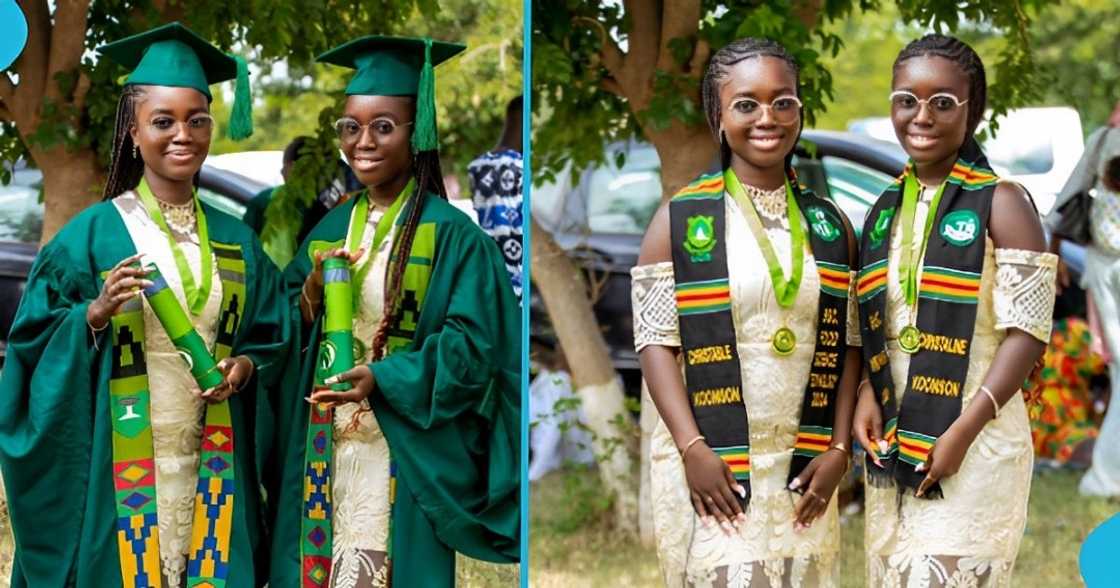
(527, 285)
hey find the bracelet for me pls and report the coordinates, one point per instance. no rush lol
(992, 397)
(689, 445)
(840, 447)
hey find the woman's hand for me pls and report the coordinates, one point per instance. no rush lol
(820, 478)
(312, 292)
(945, 457)
(714, 490)
(236, 372)
(122, 283)
(361, 380)
(867, 424)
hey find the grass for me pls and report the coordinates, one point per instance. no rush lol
(572, 543)
(472, 572)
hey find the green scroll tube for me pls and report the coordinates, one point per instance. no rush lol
(179, 329)
(338, 326)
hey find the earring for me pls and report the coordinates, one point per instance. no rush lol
(135, 152)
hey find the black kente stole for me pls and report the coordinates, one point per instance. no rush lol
(712, 374)
(946, 315)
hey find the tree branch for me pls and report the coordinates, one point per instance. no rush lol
(81, 90)
(610, 54)
(67, 42)
(643, 40)
(612, 86)
(680, 19)
(700, 54)
(7, 89)
(32, 66)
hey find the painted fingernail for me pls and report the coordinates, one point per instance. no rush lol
(331, 380)
(795, 484)
(921, 467)
(741, 490)
(148, 283)
(883, 446)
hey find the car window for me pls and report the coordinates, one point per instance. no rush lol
(21, 213)
(854, 187)
(623, 200)
(1020, 150)
(222, 202)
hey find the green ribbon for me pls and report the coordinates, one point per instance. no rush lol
(358, 228)
(785, 290)
(196, 297)
(911, 254)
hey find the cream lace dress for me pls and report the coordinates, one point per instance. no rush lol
(176, 412)
(361, 455)
(971, 537)
(767, 552)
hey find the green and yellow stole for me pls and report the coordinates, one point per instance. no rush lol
(134, 477)
(712, 375)
(316, 524)
(946, 315)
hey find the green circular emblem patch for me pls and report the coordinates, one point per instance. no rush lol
(700, 238)
(960, 227)
(824, 223)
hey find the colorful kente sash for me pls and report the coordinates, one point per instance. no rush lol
(317, 508)
(946, 315)
(134, 476)
(712, 375)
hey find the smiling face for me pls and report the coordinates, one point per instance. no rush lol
(930, 132)
(760, 136)
(172, 130)
(374, 133)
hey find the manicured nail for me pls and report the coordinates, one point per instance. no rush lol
(331, 380)
(742, 517)
(883, 446)
(921, 467)
(795, 484)
(741, 490)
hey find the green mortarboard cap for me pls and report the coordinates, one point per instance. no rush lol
(173, 55)
(397, 66)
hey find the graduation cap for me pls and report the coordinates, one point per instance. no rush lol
(397, 66)
(173, 55)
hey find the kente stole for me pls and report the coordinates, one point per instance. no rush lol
(712, 375)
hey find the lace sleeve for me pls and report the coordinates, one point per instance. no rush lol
(852, 336)
(1023, 296)
(654, 305)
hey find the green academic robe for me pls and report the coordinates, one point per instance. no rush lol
(55, 426)
(448, 404)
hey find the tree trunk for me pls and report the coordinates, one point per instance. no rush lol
(685, 152)
(72, 181)
(645, 495)
(598, 387)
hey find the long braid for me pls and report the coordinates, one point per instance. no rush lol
(125, 170)
(961, 54)
(429, 180)
(718, 70)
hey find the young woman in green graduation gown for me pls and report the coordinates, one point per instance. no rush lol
(125, 465)
(418, 459)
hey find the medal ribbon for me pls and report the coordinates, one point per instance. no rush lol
(912, 253)
(358, 228)
(196, 297)
(785, 290)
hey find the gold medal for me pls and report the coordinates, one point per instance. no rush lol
(783, 341)
(909, 339)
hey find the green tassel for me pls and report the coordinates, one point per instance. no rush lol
(424, 135)
(241, 119)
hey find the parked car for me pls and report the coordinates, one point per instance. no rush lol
(21, 225)
(599, 217)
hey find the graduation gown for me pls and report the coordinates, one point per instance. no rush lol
(55, 423)
(448, 404)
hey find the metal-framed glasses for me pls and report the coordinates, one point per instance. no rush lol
(783, 109)
(350, 130)
(940, 104)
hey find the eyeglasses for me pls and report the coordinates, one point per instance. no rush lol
(940, 104)
(198, 124)
(350, 130)
(783, 109)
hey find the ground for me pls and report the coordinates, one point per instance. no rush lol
(572, 544)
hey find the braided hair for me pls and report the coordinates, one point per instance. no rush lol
(428, 174)
(125, 168)
(965, 57)
(718, 69)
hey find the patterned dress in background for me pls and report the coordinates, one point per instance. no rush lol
(496, 188)
(1062, 385)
